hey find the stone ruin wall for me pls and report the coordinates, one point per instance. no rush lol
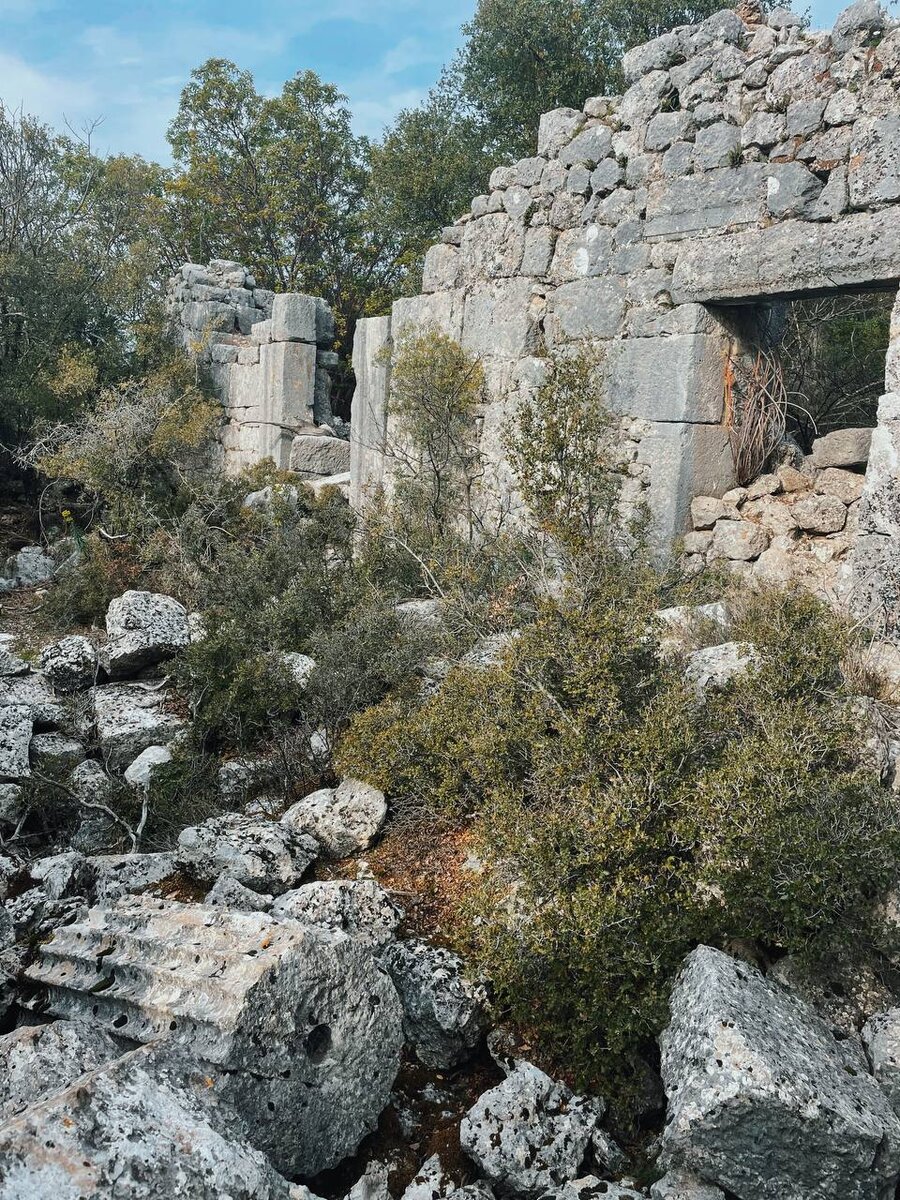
(270, 358)
(744, 165)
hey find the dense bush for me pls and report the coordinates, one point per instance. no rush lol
(621, 820)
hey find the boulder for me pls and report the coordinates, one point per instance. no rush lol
(226, 892)
(262, 855)
(129, 718)
(860, 23)
(881, 1037)
(675, 1185)
(847, 486)
(34, 693)
(27, 568)
(712, 668)
(267, 499)
(298, 1029)
(140, 773)
(739, 541)
(706, 511)
(313, 455)
(143, 628)
(764, 1100)
(344, 820)
(117, 875)
(530, 1134)
(15, 738)
(38, 1061)
(299, 666)
(146, 1125)
(444, 1014)
(71, 663)
(361, 908)
(12, 803)
(819, 514)
(54, 753)
(63, 875)
(842, 448)
(10, 663)
(590, 1187)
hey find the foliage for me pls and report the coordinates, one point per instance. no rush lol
(621, 821)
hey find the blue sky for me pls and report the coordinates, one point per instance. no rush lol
(126, 62)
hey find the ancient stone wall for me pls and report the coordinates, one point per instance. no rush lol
(745, 163)
(269, 357)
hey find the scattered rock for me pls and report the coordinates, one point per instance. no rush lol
(360, 908)
(299, 666)
(129, 718)
(15, 738)
(140, 773)
(842, 448)
(764, 1100)
(12, 803)
(71, 663)
(144, 628)
(739, 541)
(344, 820)
(55, 754)
(820, 514)
(712, 668)
(264, 856)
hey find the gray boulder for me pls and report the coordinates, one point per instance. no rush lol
(54, 753)
(143, 628)
(444, 1014)
(712, 668)
(764, 1100)
(71, 663)
(313, 455)
(590, 1187)
(344, 820)
(857, 24)
(12, 803)
(360, 908)
(842, 448)
(40, 1060)
(130, 717)
(881, 1037)
(226, 892)
(140, 773)
(264, 856)
(117, 875)
(530, 1135)
(15, 738)
(10, 663)
(27, 568)
(675, 1185)
(34, 693)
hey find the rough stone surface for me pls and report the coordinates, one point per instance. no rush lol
(229, 985)
(881, 1037)
(820, 514)
(15, 737)
(54, 753)
(843, 448)
(262, 855)
(675, 1185)
(40, 1060)
(712, 668)
(117, 875)
(228, 893)
(444, 1014)
(529, 1134)
(143, 628)
(360, 908)
(140, 773)
(130, 717)
(28, 567)
(764, 1101)
(738, 540)
(314, 456)
(343, 820)
(71, 663)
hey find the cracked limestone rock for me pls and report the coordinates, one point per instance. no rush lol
(143, 628)
(37, 1061)
(345, 819)
(444, 1014)
(361, 908)
(263, 855)
(764, 1100)
(71, 663)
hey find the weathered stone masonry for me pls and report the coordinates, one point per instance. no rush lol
(744, 164)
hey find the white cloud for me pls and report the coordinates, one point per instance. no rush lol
(410, 52)
(112, 47)
(43, 94)
(371, 115)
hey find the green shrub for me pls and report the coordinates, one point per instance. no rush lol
(622, 821)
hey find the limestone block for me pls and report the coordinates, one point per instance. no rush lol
(263, 855)
(130, 717)
(294, 318)
(764, 1101)
(54, 753)
(288, 372)
(556, 129)
(15, 738)
(676, 1185)
(892, 366)
(586, 308)
(712, 668)
(40, 1060)
(143, 628)
(312, 455)
(34, 693)
(706, 511)
(842, 448)
(716, 146)
(738, 540)
(792, 190)
(789, 257)
(492, 248)
(875, 161)
(581, 252)
(589, 147)
(728, 196)
(540, 243)
(444, 310)
(644, 99)
(445, 1015)
(12, 805)
(859, 24)
(361, 908)
(502, 319)
(145, 1124)
(71, 663)
(228, 986)
(344, 820)
(528, 171)
(847, 486)
(680, 378)
(368, 415)
(117, 875)
(656, 55)
(763, 129)
(666, 128)
(441, 270)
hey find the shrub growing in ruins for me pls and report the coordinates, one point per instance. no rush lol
(621, 819)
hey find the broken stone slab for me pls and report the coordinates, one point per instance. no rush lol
(15, 737)
(71, 663)
(881, 1038)
(37, 1061)
(226, 892)
(313, 456)
(842, 448)
(764, 1100)
(445, 1015)
(361, 908)
(144, 628)
(117, 875)
(344, 820)
(140, 773)
(54, 753)
(530, 1134)
(130, 717)
(146, 1124)
(263, 855)
(303, 1027)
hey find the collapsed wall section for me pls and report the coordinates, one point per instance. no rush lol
(744, 162)
(270, 358)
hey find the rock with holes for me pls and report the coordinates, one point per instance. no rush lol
(147, 1124)
(38, 1061)
(764, 1100)
(530, 1135)
(262, 855)
(444, 1014)
(117, 875)
(301, 1029)
(344, 819)
(360, 908)
(15, 738)
(144, 628)
(71, 663)
(592, 1188)
(675, 1185)
(712, 668)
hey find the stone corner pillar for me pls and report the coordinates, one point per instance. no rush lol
(369, 412)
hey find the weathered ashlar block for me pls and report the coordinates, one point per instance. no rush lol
(300, 1027)
(745, 162)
